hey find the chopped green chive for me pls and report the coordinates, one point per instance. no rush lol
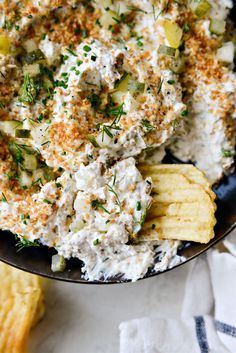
(96, 242)
(71, 52)
(227, 153)
(184, 113)
(143, 218)
(47, 201)
(3, 199)
(138, 206)
(86, 48)
(77, 30)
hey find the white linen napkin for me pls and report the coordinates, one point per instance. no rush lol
(208, 320)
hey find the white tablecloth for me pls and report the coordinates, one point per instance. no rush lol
(86, 318)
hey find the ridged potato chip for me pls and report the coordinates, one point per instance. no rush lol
(21, 307)
(189, 171)
(183, 204)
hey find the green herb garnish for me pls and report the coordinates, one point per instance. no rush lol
(93, 141)
(147, 125)
(118, 203)
(95, 101)
(71, 52)
(3, 199)
(98, 205)
(24, 218)
(106, 130)
(227, 153)
(47, 201)
(116, 112)
(135, 9)
(163, 10)
(96, 242)
(143, 218)
(86, 48)
(184, 113)
(25, 243)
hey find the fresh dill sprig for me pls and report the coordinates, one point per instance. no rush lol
(147, 125)
(25, 243)
(163, 10)
(96, 204)
(136, 9)
(118, 203)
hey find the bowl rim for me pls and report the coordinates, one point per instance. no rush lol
(54, 276)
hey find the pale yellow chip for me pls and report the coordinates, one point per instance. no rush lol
(183, 205)
(189, 171)
(21, 307)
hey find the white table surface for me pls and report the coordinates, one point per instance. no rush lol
(85, 318)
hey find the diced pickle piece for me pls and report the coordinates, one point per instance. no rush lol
(178, 65)
(117, 97)
(22, 133)
(34, 56)
(173, 33)
(217, 26)
(226, 53)
(122, 84)
(30, 162)
(32, 70)
(58, 263)
(200, 8)
(4, 45)
(169, 51)
(9, 127)
(135, 86)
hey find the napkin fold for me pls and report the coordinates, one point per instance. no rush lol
(208, 317)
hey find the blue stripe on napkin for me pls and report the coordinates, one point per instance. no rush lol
(201, 334)
(225, 328)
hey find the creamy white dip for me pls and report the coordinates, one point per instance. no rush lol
(94, 87)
